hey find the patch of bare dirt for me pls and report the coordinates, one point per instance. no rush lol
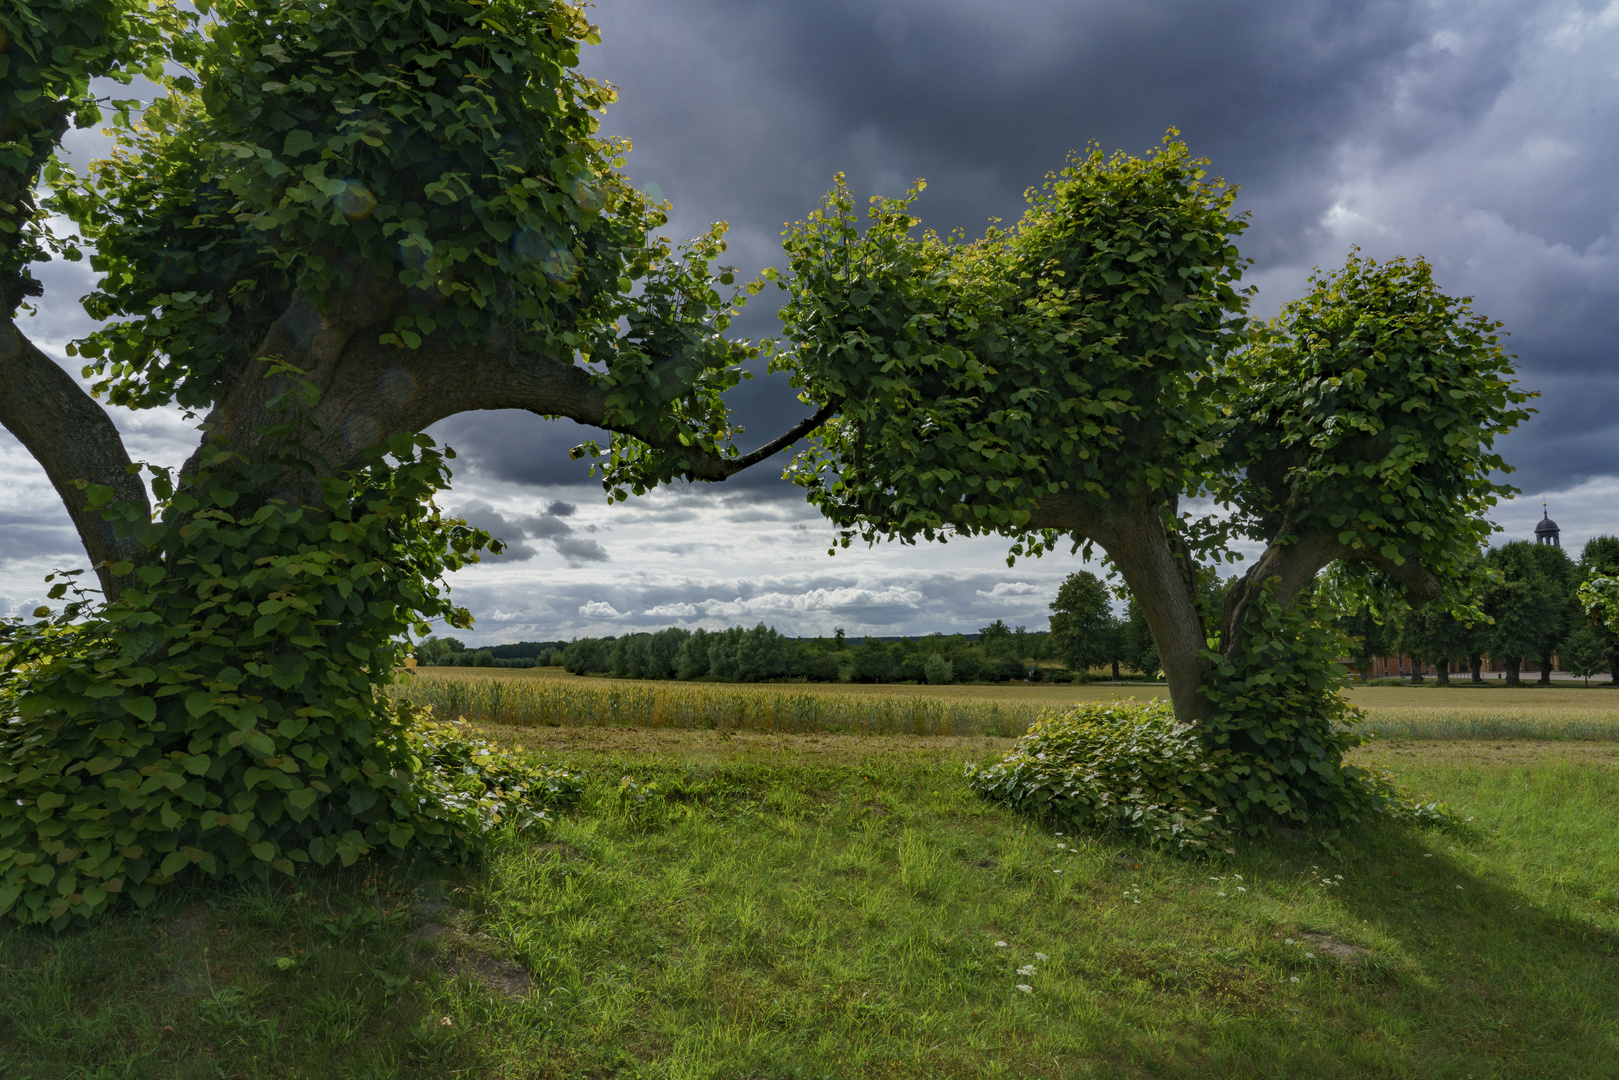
(1327, 945)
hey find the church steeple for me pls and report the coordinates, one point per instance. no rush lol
(1547, 531)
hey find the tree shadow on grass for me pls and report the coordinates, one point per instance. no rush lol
(1440, 970)
(314, 977)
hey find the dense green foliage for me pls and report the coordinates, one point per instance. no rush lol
(1081, 374)
(760, 654)
(1600, 597)
(1367, 410)
(445, 151)
(1115, 765)
(50, 50)
(1084, 631)
(231, 714)
(976, 378)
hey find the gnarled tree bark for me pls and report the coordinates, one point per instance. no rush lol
(73, 439)
(1160, 574)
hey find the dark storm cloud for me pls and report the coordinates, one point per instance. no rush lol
(744, 109)
(547, 525)
(48, 533)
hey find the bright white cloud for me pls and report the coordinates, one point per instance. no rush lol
(671, 611)
(1010, 588)
(598, 610)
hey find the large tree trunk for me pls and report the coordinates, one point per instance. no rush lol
(1161, 578)
(1441, 672)
(1475, 664)
(74, 440)
(1545, 671)
(1512, 664)
(1161, 575)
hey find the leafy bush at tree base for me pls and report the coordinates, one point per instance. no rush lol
(231, 714)
(1127, 766)
(1113, 765)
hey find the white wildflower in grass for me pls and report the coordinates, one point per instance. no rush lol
(1056, 871)
(1428, 855)
(1241, 889)
(1026, 969)
(1219, 894)
(1237, 876)
(1309, 956)
(1026, 988)
(1042, 957)
(1293, 978)
(1000, 944)
(1289, 941)
(1458, 888)
(1062, 847)
(1064, 834)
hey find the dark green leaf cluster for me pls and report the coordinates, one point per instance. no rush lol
(438, 159)
(1276, 707)
(1367, 410)
(230, 713)
(1118, 765)
(50, 50)
(1062, 357)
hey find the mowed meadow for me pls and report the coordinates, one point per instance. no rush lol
(787, 881)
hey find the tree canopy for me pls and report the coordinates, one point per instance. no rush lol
(1084, 630)
(340, 221)
(1081, 375)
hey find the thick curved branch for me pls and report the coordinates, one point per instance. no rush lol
(370, 390)
(73, 438)
(1293, 563)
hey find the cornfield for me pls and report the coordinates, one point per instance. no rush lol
(771, 708)
(522, 699)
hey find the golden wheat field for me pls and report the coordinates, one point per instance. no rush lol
(550, 697)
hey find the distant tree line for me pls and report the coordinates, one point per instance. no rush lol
(998, 653)
(1533, 616)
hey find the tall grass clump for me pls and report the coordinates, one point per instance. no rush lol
(558, 703)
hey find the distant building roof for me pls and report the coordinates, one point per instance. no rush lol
(1547, 525)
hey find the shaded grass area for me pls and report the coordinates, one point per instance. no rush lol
(551, 697)
(831, 906)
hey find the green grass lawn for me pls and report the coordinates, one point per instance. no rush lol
(836, 906)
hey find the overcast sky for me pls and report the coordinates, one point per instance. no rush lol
(1477, 134)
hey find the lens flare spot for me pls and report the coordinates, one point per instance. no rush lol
(560, 265)
(397, 385)
(590, 198)
(356, 201)
(360, 430)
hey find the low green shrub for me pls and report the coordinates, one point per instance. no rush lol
(1119, 765)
